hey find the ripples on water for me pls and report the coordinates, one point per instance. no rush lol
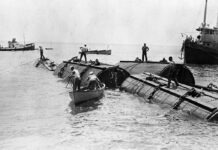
(36, 113)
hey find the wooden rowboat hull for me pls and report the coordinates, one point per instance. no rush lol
(82, 96)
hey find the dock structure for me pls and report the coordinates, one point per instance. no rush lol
(111, 75)
(162, 69)
(153, 88)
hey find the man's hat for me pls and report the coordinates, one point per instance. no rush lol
(91, 73)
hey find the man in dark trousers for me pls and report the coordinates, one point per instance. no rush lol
(144, 52)
(172, 72)
(83, 52)
(42, 57)
(76, 79)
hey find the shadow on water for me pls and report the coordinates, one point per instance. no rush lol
(84, 107)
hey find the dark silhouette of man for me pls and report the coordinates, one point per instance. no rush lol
(144, 52)
(42, 57)
(172, 73)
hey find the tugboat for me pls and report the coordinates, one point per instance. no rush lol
(203, 49)
(15, 46)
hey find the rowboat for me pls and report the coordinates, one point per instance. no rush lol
(100, 52)
(86, 95)
(112, 76)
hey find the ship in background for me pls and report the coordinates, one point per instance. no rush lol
(15, 46)
(203, 49)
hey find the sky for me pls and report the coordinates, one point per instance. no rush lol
(103, 21)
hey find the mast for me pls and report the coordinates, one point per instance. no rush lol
(217, 22)
(205, 14)
(24, 38)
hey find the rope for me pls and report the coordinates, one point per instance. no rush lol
(131, 67)
(214, 98)
(61, 72)
(155, 79)
(192, 92)
(154, 91)
(211, 85)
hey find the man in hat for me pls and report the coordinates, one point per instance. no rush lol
(93, 81)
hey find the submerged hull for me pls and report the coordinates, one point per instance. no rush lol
(46, 63)
(153, 88)
(111, 76)
(27, 47)
(199, 54)
(83, 96)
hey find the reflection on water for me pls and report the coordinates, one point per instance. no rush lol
(84, 107)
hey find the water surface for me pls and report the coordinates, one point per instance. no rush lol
(36, 111)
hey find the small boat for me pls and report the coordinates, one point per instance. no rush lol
(15, 46)
(47, 63)
(203, 49)
(99, 52)
(86, 95)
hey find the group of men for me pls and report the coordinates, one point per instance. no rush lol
(93, 81)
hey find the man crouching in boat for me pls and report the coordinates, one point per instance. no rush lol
(94, 82)
(76, 79)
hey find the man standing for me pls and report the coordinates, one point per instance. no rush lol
(42, 57)
(83, 52)
(172, 72)
(144, 52)
(76, 79)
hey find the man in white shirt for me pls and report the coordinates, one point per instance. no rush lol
(93, 81)
(76, 79)
(83, 52)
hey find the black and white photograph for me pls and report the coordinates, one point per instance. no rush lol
(109, 75)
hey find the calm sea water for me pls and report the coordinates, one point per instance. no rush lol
(36, 110)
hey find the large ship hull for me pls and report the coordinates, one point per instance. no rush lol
(199, 54)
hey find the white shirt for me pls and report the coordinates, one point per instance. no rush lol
(92, 77)
(76, 74)
(84, 49)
